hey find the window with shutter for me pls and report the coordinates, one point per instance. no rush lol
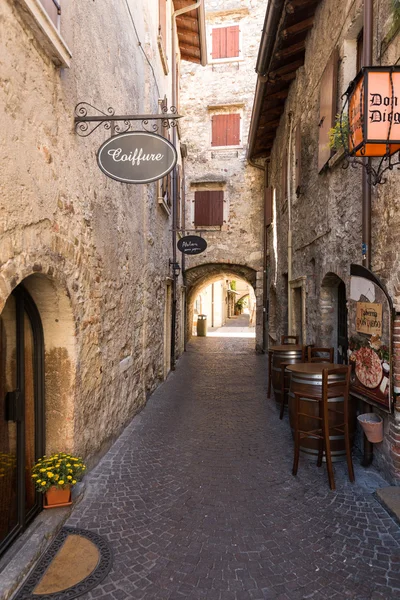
(225, 42)
(208, 208)
(53, 9)
(268, 214)
(225, 130)
(327, 108)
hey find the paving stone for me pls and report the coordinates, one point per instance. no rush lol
(198, 501)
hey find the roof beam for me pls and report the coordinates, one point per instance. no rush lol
(184, 19)
(286, 70)
(189, 50)
(189, 38)
(294, 5)
(280, 95)
(298, 28)
(291, 50)
(268, 124)
(274, 110)
(190, 58)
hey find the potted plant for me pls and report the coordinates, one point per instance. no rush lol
(55, 475)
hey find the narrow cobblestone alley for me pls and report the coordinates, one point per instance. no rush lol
(198, 501)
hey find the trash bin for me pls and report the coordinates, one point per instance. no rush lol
(202, 325)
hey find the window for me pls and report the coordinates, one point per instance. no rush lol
(43, 18)
(162, 33)
(225, 42)
(208, 208)
(53, 9)
(327, 108)
(225, 130)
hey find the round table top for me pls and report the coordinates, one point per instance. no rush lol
(312, 368)
(285, 347)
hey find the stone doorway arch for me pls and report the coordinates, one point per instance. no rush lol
(203, 275)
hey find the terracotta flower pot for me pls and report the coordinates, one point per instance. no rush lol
(56, 497)
(372, 425)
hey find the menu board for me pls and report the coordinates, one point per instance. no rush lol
(370, 314)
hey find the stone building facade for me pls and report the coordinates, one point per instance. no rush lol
(213, 99)
(322, 207)
(92, 253)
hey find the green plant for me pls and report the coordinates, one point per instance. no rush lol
(339, 133)
(59, 470)
(233, 285)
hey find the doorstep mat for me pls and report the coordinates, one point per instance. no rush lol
(76, 562)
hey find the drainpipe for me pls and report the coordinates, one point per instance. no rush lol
(289, 200)
(181, 11)
(366, 192)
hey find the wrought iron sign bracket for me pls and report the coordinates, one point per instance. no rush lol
(88, 118)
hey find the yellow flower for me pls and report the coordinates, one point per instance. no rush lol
(42, 470)
(73, 481)
(50, 475)
(34, 476)
(61, 482)
(68, 465)
(56, 477)
(69, 477)
(43, 483)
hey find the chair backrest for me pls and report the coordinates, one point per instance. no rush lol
(315, 354)
(289, 339)
(332, 388)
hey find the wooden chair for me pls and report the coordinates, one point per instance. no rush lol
(330, 389)
(285, 339)
(314, 354)
(284, 389)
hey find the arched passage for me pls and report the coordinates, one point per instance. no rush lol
(203, 275)
(333, 307)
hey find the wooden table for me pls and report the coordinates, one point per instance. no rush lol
(307, 378)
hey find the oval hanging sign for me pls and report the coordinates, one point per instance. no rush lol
(192, 244)
(136, 157)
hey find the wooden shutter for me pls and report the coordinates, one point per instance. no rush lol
(53, 9)
(208, 208)
(225, 42)
(225, 130)
(297, 166)
(327, 108)
(268, 209)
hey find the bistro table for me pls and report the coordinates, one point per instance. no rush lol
(286, 353)
(307, 378)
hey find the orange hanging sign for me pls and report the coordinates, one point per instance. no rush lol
(374, 112)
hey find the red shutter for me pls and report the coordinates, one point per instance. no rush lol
(208, 208)
(225, 42)
(327, 108)
(232, 130)
(232, 41)
(218, 130)
(53, 10)
(268, 214)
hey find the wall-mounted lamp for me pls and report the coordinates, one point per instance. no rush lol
(176, 268)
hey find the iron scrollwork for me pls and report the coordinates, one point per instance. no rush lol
(88, 118)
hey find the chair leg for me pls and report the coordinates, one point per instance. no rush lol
(296, 437)
(327, 444)
(321, 440)
(282, 411)
(348, 452)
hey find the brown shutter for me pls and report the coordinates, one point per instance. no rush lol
(208, 208)
(216, 42)
(232, 130)
(327, 108)
(232, 41)
(268, 214)
(53, 9)
(297, 183)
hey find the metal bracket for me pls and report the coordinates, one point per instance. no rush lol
(88, 118)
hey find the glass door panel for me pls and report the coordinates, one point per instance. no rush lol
(8, 428)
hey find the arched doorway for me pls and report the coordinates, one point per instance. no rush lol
(21, 412)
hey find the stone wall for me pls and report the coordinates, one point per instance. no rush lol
(95, 252)
(217, 88)
(326, 217)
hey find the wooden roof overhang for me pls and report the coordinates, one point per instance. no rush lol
(282, 52)
(191, 32)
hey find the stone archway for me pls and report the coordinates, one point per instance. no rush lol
(198, 277)
(333, 323)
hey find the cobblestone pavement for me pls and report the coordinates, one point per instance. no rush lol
(198, 501)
